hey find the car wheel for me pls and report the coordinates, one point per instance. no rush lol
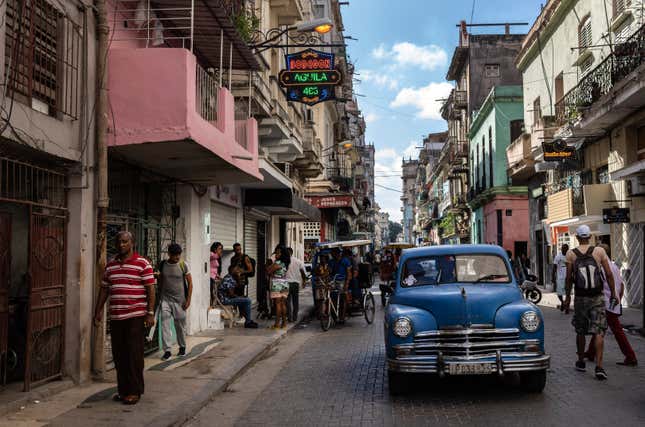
(533, 381)
(396, 383)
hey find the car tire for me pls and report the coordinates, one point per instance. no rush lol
(533, 381)
(396, 383)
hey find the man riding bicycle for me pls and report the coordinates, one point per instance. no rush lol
(341, 271)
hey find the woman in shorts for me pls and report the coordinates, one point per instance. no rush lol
(279, 285)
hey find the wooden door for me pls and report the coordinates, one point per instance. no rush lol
(46, 321)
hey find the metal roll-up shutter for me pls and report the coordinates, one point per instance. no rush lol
(251, 249)
(223, 224)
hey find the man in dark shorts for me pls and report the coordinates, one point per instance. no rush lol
(585, 265)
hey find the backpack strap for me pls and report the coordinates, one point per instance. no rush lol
(590, 250)
(577, 252)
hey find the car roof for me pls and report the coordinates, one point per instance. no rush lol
(453, 250)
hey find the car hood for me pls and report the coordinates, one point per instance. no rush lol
(459, 305)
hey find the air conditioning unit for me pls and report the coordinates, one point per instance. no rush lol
(636, 186)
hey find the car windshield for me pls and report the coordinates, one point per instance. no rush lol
(462, 268)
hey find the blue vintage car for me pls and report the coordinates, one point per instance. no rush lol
(458, 310)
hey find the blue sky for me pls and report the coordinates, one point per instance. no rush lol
(402, 55)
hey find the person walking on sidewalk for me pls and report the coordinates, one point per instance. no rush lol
(279, 286)
(559, 275)
(226, 295)
(215, 268)
(296, 277)
(585, 266)
(175, 291)
(613, 317)
(129, 282)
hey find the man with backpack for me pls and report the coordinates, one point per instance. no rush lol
(587, 268)
(246, 265)
(175, 290)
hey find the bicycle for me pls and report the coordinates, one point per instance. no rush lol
(331, 304)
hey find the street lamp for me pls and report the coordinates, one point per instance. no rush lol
(272, 37)
(321, 26)
(347, 144)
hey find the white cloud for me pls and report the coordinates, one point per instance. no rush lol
(379, 52)
(425, 99)
(379, 79)
(411, 151)
(387, 176)
(384, 155)
(428, 57)
(371, 117)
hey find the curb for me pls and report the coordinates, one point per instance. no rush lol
(183, 413)
(41, 393)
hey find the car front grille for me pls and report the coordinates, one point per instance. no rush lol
(468, 342)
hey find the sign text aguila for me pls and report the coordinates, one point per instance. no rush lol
(310, 77)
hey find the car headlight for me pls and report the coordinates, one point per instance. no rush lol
(530, 321)
(402, 327)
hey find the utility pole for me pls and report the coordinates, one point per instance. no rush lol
(103, 30)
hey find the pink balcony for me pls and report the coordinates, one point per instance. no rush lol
(170, 115)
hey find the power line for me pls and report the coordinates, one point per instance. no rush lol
(387, 188)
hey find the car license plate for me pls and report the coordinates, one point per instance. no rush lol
(470, 369)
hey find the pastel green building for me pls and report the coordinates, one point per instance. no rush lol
(499, 210)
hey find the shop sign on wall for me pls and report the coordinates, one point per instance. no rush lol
(310, 77)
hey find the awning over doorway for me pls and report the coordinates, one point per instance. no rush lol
(282, 203)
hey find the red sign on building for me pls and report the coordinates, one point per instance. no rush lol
(330, 202)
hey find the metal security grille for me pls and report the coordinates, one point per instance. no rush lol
(42, 56)
(251, 249)
(223, 224)
(23, 182)
(46, 323)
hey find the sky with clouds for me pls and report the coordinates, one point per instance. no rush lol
(401, 57)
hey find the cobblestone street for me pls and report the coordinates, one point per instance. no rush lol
(338, 378)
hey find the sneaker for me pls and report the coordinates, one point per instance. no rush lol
(601, 375)
(166, 356)
(251, 325)
(580, 366)
(182, 351)
(628, 363)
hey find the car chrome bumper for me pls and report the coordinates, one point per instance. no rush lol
(500, 363)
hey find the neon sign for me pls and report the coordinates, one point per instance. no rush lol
(310, 77)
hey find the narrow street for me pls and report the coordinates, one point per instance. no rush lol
(338, 378)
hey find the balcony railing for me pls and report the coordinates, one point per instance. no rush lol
(240, 132)
(625, 58)
(461, 99)
(207, 90)
(518, 151)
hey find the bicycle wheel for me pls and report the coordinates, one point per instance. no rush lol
(325, 315)
(369, 307)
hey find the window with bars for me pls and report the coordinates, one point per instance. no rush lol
(42, 57)
(584, 33)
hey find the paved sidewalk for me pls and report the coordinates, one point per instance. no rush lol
(175, 389)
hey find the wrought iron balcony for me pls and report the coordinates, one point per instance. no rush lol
(625, 59)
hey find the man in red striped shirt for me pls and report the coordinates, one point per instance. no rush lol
(129, 283)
